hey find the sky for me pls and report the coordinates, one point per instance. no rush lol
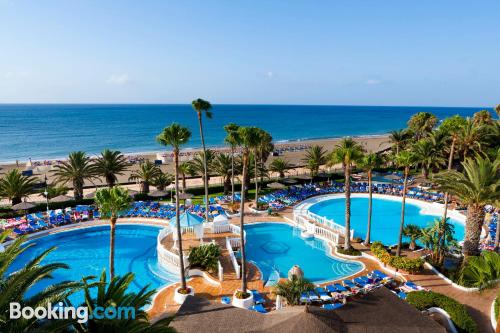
(418, 53)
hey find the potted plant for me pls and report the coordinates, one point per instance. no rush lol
(242, 299)
(180, 294)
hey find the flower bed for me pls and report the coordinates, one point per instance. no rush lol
(403, 263)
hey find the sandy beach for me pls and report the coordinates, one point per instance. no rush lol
(370, 144)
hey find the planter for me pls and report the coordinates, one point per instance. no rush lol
(243, 303)
(180, 298)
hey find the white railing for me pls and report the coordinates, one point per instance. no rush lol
(327, 234)
(219, 229)
(337, 228)
(235, 229)
(166, 258)
(233, 258)
(220, 271)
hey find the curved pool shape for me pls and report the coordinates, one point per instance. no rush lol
(386, 216)
(86, 251)
(276, 247)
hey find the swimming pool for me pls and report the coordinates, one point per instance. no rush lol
(86, 251)
(386, 216)
(276, 247)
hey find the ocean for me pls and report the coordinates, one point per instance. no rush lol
(51, 131)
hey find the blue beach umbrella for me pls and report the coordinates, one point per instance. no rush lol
(187, 220)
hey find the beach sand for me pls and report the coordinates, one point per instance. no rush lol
(370, 144)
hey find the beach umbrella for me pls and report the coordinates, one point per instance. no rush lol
(276, 186)
(90, 195)
(158, 194)
(61, 198)
(187, 220)
(185, 196)
(221, 219)
(303, 177)
(288, 181)
(23, 206)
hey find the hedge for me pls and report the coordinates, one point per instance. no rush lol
(404, 263)
(423, 300)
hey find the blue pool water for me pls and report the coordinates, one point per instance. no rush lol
(86, 251)
(386, 217)
(277, 247)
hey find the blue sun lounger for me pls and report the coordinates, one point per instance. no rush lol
(304, 298)
(331, 288)
(258, 299)
(349, 284)
(381, 274)
(361, 282)
(259, 308)
(323, 295)
(332, 306)
(340, 288)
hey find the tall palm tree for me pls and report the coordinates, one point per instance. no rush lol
(280, 166)
(146, 174)
(414, 232)
(368, 163)
(16, 285)
(116, 292)
(111, 201)
(202, 106)
(482, 117)
(14, 186)
(421, 124)
(427, 156)
(261, 150)
(176, 135)
(162, 180)
(471, 138)
(75, 170)
(477, 186)
(315, 157)
(197, 164)
(110, 164)
(452, 126)
(497, 110)
(224, 167)
(347, 152)
(249, 138)
(405, 159)
(233, 141)
(398, 139)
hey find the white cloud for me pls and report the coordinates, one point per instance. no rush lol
(373, 82)
(269, 75)
(119, 79)
(14, 75)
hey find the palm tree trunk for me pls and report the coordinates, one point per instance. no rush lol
(497, 235)
(78, 189)
(183, 182)
(401, 226)
(232, 175)
(145, 187)
(178, 222)
(112, 226)
(227, 185)
(205, 171)
(473, 228)
(369, 226)
(347, 235)
(256, 180)
(450, 162)
(242, 224)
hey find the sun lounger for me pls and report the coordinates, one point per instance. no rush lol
(258, 308)
(332, 306)
(323, 295)
(304, 298)
(257, 298)
(225, 300)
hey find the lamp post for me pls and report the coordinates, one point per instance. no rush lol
(46, 193)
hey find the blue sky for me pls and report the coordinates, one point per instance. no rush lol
(279, 52)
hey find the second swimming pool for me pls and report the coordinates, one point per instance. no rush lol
(276, 247)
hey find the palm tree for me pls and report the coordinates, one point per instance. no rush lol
(54, 190)
(406, 160)
(421, 124)
(233, 140)
(427, 156)
(110, 164)
(197, 164)
(202, 106)
(368, 163)
(471, 138)
(347, 152)
(261, 151)
(280, 166)
(17, 285)
(452, 126)
(497, 110)
(398, 138)
(223, 165)
(477, 186)
(111, 201)
(146, 174)
(185, 168)
(115, 294)
(291, 290)
(413, 232)
(162, 180)
(249, 138)
(75, 170)
(176, 135)
(482, 117)
(14, 186)
(315, 157)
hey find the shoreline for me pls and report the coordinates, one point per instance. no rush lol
(278, 143)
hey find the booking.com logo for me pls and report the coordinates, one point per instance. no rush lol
(80, 313)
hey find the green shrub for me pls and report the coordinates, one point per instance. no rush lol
(423, 300)
(404, 263)
(205, 257)
(481, 271)
(351, 252)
